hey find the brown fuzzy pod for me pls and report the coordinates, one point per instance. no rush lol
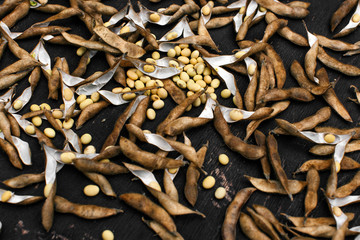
(24, 180)
(313, 183)
(250, 229)
(341, 12)
(348, 188)
(320, 165)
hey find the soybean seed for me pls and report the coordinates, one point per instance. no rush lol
(37, 121)
(80, 51)
(34, 107)
(149, 68)
(86, 103)
(47, 189)
(225, 93)
(242, 10)
(251, 69)
(107, 235)
(130, 83)
(220, 193)
(181, 84)
(57, 114)
(173, 170)
(95, 97)
(49, 132)
(154, 17)
(206, 10)
(236, 115)
(195, 54)
(337, 211)
(67, 157)
(356, 18)
(215, 83)
(68, 124)
(30, 129)
(155, 55)
(90, 149)
(239, 54)
(68, 94)
(223, 159)
(117, 90)
(80, 98)
(150, 114)
(6, 196)
(184, 60)
(213, 96)
(155, 185)
(131, 74)
(186, 52)
(208, 182)
(329, 138)
(17, 104)
(125, 29)
(162, 93)
(158, 104)
(86, 138)
(91, 190)
(45, 106)
(171, 36)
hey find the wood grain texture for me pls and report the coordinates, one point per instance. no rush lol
(23, 222)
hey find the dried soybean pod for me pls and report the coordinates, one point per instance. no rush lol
(9, 80)
(82, 65)
(250, 229)
(279, 68)
(149, 208)
(267, 214)
(51, 8)
(217, 22)
(89, 44)
(323, 150)
(14, 126)
(310, 60)
(66, 13)
(102, 182)
(62, 205)
(228, 229)
(177, 111)
(310, 122)
(173, 207)
(261, 141)
(348, 188)
(249, 96)
(169, 187)
(43, 139)
(119, 124)
(42, 31)
(323, 231)
(330, 96)
(47, 210)
(174, 91)
(14, 46)
(106, 168)
(332, 181)
(272, 27)
(101, 8)
(311, 198)
(341, 232)
(147, 159)
(161, 231)
(10, 150)
(239, 67)
(54, 80)
(119, 74)
(263, 84)
(320, 165)
(357, 93)
(8, 5)
(33, 114)
(34, 78)
(171, 9)
(336, 45)
(332, 63)
(275, 162)
(18, 13)
(355, 130)
(24, 180)
(286, 32)
(341, 12)
(253, 125)
(89, 112)
(300, 4)
(270, 69)
(183, 124)
(5, 125)
(298, 73)
(296, 93)
(273, 186)
(309, 222)
(263, 224)
(283, 9)
(255, 48)
(25, 64)
(117, 42)
(109, 152)
(188, 8)
(241, 34)
(248, 151)
(139, 116)
(3, 45)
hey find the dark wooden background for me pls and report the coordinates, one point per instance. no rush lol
(24, 222)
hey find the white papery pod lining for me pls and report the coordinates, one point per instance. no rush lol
(251, 8)
(259, 14)
(34, 4)
(15, 199)
(24, 97)
(40, 54)
(73, 139)
(70, 80)
(340, 220)
(23, 123)
(115, 98)
(340, 202)
(22, 148)
(90, 88)
(352, 24)
(226, 113)
(56, 154)
(158, 141)
(238, 18)
(7, 97)
(182, 28)
(159, 72)
(130, 24)
(52, 166)
(119, 15)
(143, 174)
(356, 229)
(12, 35)
(145, 16)
(208, 111)
(133, 16)
(187, 140)
(206, 17)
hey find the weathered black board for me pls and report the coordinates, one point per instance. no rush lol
(24, 222)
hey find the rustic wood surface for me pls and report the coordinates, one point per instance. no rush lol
(24, 222)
